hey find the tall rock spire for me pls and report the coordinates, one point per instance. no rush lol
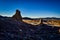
(17, 16)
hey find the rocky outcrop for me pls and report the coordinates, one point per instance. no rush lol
(15, 30)
(17, 16)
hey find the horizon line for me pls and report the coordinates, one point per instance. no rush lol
(31, 17)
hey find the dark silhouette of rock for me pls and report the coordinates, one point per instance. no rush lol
(15, 30)
(41, 21)
(17, 16)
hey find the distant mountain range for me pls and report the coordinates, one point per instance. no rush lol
(42, 18)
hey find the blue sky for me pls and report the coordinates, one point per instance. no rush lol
(31, 8)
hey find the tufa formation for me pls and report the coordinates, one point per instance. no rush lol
(17, 16)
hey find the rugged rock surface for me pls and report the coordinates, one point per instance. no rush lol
(17, 16)
(14, 30)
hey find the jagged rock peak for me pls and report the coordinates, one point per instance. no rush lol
(18, 13)
(17, 16)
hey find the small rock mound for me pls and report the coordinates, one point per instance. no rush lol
(17, 16)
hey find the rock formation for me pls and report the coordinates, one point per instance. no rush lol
(17, 16)
(41, 21)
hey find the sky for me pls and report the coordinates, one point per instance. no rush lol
(30, 8)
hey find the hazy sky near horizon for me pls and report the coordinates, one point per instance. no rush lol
(31, 8)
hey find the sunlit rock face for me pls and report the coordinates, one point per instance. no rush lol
(17, 16)
(40, 21)
(32, 22)
(53, 22)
